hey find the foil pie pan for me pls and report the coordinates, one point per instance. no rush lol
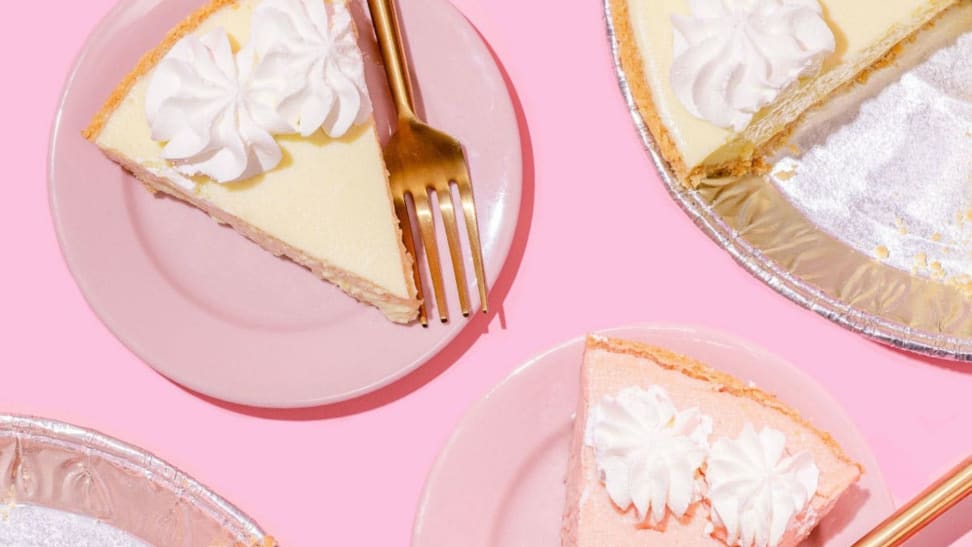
(62, 485)
(866, 217)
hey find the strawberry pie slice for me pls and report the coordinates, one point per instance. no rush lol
(669, 452)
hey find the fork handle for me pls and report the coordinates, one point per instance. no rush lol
(385, 18)
(928, 506)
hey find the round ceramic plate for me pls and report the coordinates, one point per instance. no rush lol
(866, 218)
(500, 480)
(62, 485)
(214, 312)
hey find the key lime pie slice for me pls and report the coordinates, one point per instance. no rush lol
(257, 112)
(669, 452)
(719, 83)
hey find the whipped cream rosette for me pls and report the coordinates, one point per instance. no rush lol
(756, 489)
(214, 114)
(658, 459)
(733, 57)
(649, 452)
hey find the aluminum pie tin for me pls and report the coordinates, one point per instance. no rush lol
(74, 471)
(870, 261)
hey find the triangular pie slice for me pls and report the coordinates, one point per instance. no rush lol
(325, 203)
(616, 455)
(696, 69)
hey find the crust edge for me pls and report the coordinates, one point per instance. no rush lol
(632, 65)
(148, 61)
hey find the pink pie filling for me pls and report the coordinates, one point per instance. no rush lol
(592, 520)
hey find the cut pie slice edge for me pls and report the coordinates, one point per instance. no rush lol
(326, 205)
(867, 35)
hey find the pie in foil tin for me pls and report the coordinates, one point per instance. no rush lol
(866, 214)
(58, 480)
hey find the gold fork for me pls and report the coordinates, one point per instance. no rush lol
(421, 161)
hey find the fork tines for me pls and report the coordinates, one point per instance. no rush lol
(423, 209)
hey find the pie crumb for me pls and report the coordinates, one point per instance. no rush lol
(963, 284)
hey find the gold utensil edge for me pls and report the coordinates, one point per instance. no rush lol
(923, 510)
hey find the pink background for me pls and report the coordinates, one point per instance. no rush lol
(600, 245)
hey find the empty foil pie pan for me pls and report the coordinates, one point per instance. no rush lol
(64, 485)
(866, 217)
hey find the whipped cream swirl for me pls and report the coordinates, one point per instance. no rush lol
(309, 47)
(756, 489)
(217, 111)
(215, 116)
(733, 57)
(648, 452)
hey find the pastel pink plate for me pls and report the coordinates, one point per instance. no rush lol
(499, 482)
(214, 312)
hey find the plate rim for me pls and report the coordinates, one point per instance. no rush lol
(709, 333)
(503, 246)
(804, 294)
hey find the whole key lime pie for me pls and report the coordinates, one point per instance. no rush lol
(258, 113)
